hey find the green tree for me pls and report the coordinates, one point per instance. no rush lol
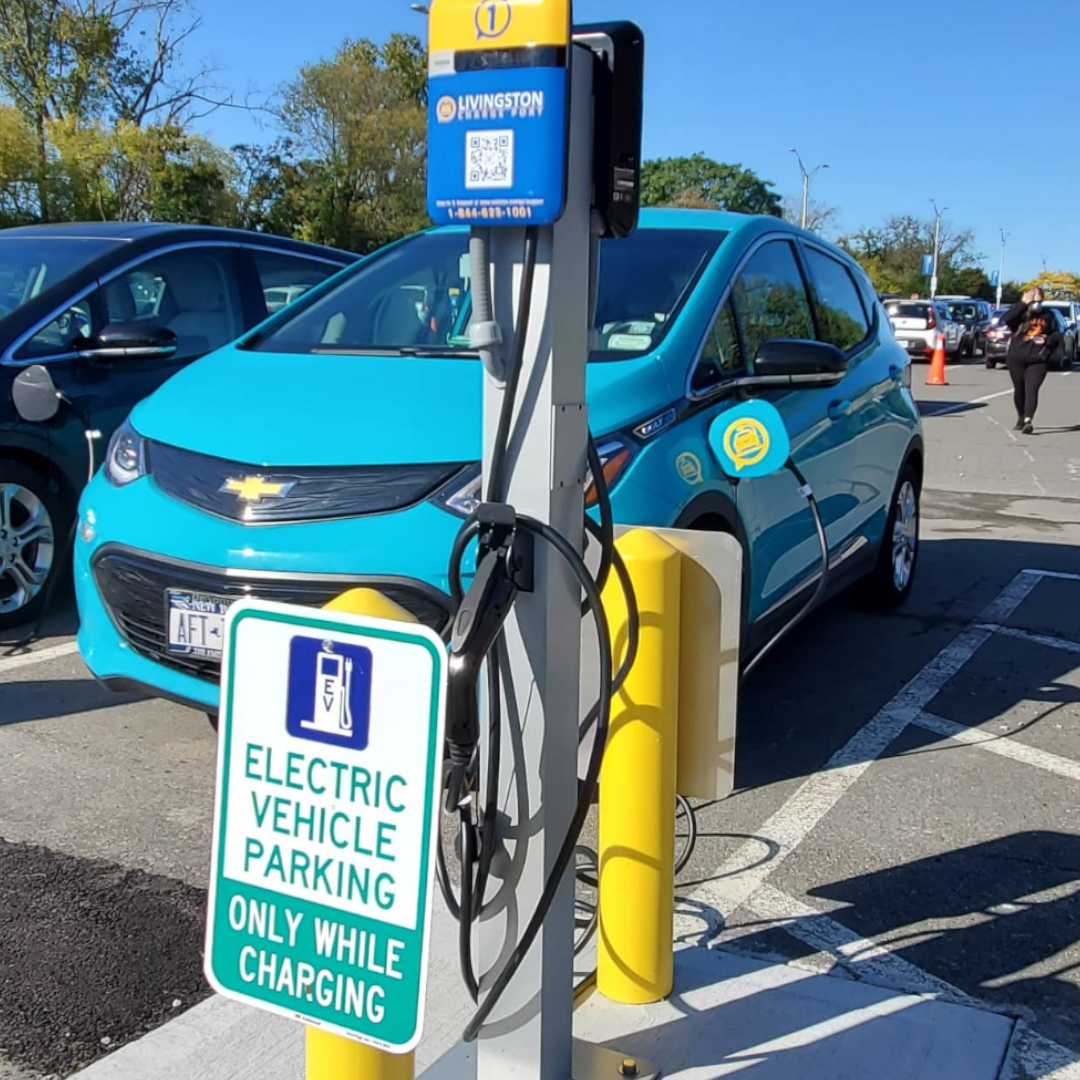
(698, 182)
(18, 169)
(892, 254)
(359, 125)
(1056, 284)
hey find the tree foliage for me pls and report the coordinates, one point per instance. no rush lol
(698, 182)
(820, 217)
(892, 255)
(1056, 284)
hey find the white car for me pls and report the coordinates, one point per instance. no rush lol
(917, 324)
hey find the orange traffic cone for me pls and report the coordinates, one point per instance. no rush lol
(937, 364)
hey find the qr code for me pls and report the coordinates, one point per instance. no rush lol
(489, 159)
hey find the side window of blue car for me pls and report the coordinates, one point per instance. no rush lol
(770, 298)
(842, 319)
(721, 356)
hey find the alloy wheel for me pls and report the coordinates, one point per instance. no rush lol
(27, 546)
(905, 535)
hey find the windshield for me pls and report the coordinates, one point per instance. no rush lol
(415, 298)
(30, 265)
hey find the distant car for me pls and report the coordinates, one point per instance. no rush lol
(280, 296)
(1070, 309)
(917, 323)
(114, 310)
(998, 336)
(975, 317)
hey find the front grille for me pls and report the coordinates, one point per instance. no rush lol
(256, 495)
(134, 586)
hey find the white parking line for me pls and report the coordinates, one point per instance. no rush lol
(1001, 745)
(741, 875)
(10, 663)
(1062, 644)
(1057, 574)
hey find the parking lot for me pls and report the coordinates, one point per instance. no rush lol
(906, 810)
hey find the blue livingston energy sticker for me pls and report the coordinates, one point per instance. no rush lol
(497, 147)
(329, 692)
(750, 440)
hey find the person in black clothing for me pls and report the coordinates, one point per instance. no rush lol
(1035, 339)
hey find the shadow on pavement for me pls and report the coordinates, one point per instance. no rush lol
(842, 665)
(930, 409)
(45, 699)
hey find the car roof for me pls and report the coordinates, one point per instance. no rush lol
(146, 232)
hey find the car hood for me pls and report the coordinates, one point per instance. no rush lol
(277, 409)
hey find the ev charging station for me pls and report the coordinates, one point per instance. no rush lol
(334, 724)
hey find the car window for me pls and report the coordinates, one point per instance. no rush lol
(722, 357)
(30, 265)
(285, 278)
(770, 298)
(414, 297)
(191, 292)
(59, 336)
(841, 318)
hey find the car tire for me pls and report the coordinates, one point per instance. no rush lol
(991, 363)
(890, 583)
(34, 522)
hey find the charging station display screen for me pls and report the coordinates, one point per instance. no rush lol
(497, 111)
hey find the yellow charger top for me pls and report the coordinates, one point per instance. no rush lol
(471, 25)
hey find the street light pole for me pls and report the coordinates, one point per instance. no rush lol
(1001, 270)
(937, 246)
(806, 178)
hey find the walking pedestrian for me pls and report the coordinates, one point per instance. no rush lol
(1035, 339)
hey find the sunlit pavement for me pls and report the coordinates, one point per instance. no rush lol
(937, 854)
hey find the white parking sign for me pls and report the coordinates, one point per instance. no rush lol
(331, 738)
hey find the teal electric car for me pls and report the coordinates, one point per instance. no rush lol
(337, 445)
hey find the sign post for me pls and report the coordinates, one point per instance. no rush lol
(329, 769)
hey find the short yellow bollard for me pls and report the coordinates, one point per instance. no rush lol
(637, 783)
(332, 1057)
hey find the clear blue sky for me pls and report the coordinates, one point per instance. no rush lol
(904, 101)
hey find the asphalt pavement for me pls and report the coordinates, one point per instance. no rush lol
(906, 812)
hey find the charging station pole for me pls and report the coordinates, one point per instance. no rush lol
(530, 1030)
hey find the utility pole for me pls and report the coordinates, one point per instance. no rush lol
(806, 178)
(937, 246)
(1001, 272)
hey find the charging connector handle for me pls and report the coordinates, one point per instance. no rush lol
(505, 569)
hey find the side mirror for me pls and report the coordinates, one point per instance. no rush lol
(794, 362)
(35, 395)
(129, 341)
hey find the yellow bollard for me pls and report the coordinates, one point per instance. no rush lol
(637, 783)
(332, 1057)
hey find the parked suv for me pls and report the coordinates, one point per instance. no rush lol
(917, 324)
(114, 310)
(974, 316)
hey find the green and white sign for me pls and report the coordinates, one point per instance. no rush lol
(331, 736)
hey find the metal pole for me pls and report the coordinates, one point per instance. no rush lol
(806, 178)
(937, 246)
(529, 1032)
(1001, 271)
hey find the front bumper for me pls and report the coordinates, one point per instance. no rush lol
(144, 543)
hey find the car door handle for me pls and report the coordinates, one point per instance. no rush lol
(839, 409)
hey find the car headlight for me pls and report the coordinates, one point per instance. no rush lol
(125, 460)
(463, 494)
(615, 457)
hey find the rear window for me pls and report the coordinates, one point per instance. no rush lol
(963, 312)
(908, 311)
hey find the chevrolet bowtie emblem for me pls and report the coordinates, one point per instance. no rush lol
(255, 489)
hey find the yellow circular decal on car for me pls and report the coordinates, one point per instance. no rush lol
(689, 467)
(747, 442)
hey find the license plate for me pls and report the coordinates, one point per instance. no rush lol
(915, 346)
(196, 623)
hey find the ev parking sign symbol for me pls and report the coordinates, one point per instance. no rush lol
(329, 698)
